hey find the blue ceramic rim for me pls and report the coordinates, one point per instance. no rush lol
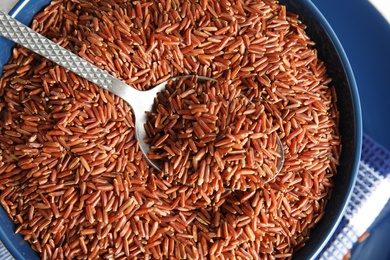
(358, 128)
(15, 243)
(356, 108)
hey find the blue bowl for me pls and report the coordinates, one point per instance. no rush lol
(332, 53)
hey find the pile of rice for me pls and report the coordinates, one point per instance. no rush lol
(72, 176)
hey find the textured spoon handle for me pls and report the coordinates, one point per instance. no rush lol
(19, 33)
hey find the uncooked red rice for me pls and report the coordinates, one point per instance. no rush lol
(212, 137)
(73, 178)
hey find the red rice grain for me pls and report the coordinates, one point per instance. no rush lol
(72, 176)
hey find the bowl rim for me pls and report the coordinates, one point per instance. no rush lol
(358, 127)
(14, 243)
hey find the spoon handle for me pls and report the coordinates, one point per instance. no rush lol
(23, 35)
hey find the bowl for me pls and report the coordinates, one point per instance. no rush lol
(334, 57)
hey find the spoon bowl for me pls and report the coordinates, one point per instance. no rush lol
(200, 119)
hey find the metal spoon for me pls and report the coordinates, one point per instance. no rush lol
(140, 101)
(176, 88)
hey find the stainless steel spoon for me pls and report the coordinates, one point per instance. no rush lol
(140, 101)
